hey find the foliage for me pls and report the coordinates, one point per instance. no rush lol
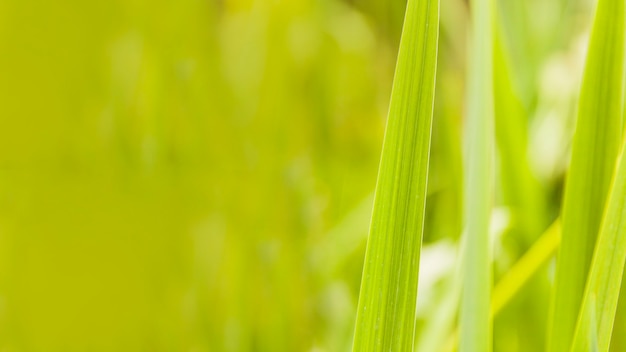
(201, 175)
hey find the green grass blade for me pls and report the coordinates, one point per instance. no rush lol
(475, 322)
(595, 148)
(586, 336)
(520, 274)
(521, 191)
(386, 310)
(605, 277)
(526, 267)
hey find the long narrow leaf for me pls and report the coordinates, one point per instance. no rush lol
(605, 277)
(386, 310)
(475, 322)
(519, 275)
(595, 148)
(526, 267)
(521, 191)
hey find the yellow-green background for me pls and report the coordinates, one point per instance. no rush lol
(196, 175)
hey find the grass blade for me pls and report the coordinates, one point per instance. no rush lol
(521, 191)
(526, 267)
(386, 310)
(475, 322)
(595, 148)
(519, 275)
(605, 276)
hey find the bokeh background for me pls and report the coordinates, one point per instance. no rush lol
(197, 175)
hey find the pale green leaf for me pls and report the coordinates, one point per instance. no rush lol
(519, 275)
(475, 322)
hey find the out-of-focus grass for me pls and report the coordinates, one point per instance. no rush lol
(179, 175)
(166, 169)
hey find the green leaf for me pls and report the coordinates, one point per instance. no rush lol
(386, 310)
(475, 321)
(521, 191)
(525, 268)
(586, 336)
(520, 274)
(603, 286)
(595, 148)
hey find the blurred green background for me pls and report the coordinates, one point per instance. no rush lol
(197, 175)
